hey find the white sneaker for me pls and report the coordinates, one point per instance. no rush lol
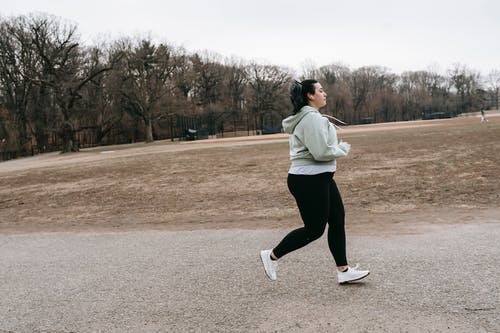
(270, 266)
(352, 274)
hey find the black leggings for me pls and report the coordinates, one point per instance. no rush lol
(319, 202)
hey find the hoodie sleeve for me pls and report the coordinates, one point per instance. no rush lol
(320, 138)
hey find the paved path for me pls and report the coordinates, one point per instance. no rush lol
(445, 279)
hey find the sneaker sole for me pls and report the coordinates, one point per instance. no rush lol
(264, 264)
(346, 282)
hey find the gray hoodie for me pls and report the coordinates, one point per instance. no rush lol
(313, 139)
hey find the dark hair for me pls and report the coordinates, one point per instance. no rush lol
(298, 93)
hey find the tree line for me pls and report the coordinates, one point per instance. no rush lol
(59, 94)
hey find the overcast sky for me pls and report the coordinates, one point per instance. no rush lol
(400, 35)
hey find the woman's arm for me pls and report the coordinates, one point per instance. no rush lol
(320, 138)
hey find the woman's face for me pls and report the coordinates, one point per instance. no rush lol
(318, 100)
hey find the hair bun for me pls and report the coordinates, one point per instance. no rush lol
(296, 96)
(296, 87)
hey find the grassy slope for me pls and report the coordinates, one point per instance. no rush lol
(454, 165)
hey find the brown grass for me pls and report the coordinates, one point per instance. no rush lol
(423, 166)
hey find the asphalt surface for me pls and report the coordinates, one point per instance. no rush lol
(444, 279)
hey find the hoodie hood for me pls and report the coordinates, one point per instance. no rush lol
(290, 122)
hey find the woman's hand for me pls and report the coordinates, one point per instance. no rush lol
(345, 146)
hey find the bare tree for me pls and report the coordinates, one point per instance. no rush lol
(493, 82)
(147, 81)
(184, 76)
(16, 62)
(236, 83)
(209, 88)
(209, 78)
(101, 105)
(309, 70)
(466, 83)
(363, 84)
(268, 92)
(65, 69)
(335, 79)
(415, 96)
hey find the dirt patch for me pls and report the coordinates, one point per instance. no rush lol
(443, 169)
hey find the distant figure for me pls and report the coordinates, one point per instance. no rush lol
(314, 148)
(483, 116)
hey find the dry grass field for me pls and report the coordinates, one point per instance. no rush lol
(397, 175)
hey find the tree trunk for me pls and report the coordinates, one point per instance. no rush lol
(69, 143)
(498, 108)
(42, 140)
(234, 125)
(149, 130)
(22, 134)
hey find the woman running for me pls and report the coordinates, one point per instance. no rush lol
(314, 148)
